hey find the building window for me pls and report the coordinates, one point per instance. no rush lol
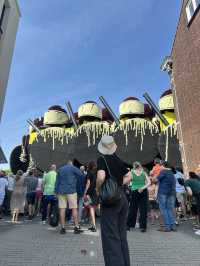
(2, 19)
(191, 8)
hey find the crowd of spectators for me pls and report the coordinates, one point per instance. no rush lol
(161, 196)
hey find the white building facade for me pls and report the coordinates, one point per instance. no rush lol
(9, 21)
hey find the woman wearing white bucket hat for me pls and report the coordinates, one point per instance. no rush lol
(113, 217)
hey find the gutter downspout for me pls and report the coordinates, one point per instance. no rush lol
(180, 130)
(167, 66)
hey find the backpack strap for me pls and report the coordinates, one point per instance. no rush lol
(108, 168)
(132, 175)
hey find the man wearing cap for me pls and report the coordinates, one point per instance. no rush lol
(114, 217)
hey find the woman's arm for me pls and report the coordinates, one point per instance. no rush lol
(189, 191)
(87, 186)
(101, 175)
(147, 184)
(127, 178)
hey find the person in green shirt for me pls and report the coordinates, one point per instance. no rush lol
(139, 197)
(49, 181)
(193, 184)
(193, 189)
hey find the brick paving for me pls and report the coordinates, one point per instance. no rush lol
(33, 244)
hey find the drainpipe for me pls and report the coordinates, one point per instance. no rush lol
(167, 66)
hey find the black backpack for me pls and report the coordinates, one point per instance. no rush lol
(54, 215)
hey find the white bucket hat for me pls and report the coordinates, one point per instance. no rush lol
(107, 145)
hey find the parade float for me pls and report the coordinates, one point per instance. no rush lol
(168, 143)
(54, 142)
(142, 132)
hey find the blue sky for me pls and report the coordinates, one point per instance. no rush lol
(79, 50)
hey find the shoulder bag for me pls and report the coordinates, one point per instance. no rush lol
(110, 192)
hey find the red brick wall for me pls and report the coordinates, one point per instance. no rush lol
(186, 72)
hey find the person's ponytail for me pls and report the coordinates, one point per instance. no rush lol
(18, 175)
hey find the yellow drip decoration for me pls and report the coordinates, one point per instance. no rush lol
(139, 125)
(32, 164)
(170, 117)
(170, 131)
(58, 133)
(93, 130)
(33, 136)
(23, 154)
(55, 133)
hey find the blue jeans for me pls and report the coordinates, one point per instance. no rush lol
(47, 199)
(166, 205)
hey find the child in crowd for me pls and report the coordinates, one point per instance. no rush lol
(153, 205)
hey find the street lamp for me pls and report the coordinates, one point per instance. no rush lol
(167, 65)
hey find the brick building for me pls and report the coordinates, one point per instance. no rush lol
(186, 82)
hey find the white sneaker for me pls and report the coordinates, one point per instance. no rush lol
(44, 222)
(137, 225)
(197, 232)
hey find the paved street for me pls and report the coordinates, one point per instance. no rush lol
(34, 244)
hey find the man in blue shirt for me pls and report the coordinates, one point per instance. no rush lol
(166, 196)
(66, 190)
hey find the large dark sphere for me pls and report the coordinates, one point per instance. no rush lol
(172, 153)
(44, 155)
(15, 163)
(84, 153)
(133, 152)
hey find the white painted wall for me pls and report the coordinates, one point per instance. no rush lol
(7, 43)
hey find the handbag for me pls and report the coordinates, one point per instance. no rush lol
(87, 201)
(110, 192)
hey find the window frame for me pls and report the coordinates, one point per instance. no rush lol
(196, 6)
